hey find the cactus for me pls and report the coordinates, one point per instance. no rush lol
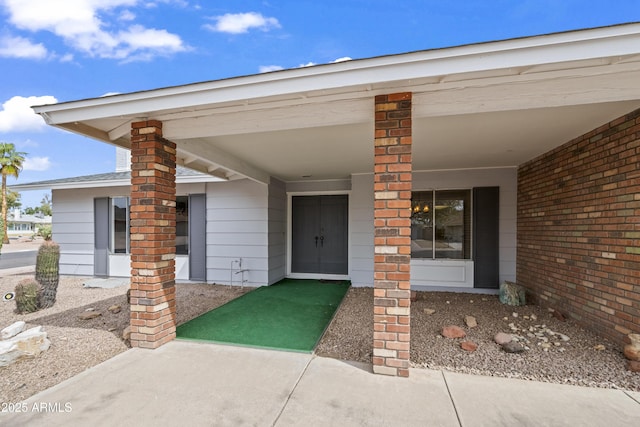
(47, 274)
(27, 296)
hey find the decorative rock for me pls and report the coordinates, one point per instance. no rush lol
(12, 330)
(633, 365)
(558, 315)
(599, 347)
(88, 315)
(534, 317)
(563, 337)
(453, 332)
(115, 309)
(29, 343)
(429, 311)
(632, 350)
(514, 314)
(502, 338)
(126, 334)
(513, 347)
(468, 346)
(470, 321)
(512, 294)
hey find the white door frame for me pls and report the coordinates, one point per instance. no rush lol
(317, 276)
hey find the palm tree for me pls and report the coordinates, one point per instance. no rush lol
(10, 165)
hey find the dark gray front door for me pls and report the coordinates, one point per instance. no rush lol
(320, 234)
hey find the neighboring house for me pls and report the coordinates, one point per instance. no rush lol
(451, 169)
(21, 225)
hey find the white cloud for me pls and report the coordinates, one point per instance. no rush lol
(20, 47)
(96, 27)
(17, 116)
(238, 23)
(36, 164)
(308, 64)
(269, 68)
(343, 59)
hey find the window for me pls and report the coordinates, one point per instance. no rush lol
(182, 225)
(119, 242)
(441, 224)
(119, 232)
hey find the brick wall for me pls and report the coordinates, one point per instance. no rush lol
(579, 228)
(152, 228)
(392, 240)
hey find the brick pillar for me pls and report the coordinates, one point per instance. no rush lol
(392, 223)
(153, 235)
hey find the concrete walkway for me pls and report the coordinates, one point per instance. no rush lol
(196, 384)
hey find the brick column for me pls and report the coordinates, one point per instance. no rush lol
(153, 235)
(392, 224)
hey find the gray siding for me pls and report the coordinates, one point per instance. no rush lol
(507, 180)
(73, 226)
(361, 213)
(237, 227)
(361, 229)
(277, 228)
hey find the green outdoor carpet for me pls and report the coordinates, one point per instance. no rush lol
(289, 315)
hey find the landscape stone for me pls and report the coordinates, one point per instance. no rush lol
(558, 315)
(502, 338)
(632, 352)
(468, 346)
(470, 321)
(512, 294)
(115, 309)
(453, 332)
(429, 311)
(88, 315)
(599, 347)
(29, 343)
(126, 334)
(633, 365)
(12, 330)
(513, 347)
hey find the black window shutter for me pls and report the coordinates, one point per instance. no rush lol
(486, 219)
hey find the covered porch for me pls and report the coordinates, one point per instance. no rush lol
(376, 130)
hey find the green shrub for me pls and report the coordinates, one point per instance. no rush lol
(44, 231)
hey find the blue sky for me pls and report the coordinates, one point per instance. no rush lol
(63, 50)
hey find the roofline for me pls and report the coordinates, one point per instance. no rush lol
(611, 41)
(120, 182)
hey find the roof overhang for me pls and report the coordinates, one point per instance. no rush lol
(477, 105)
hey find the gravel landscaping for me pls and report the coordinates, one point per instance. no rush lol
(584, 359)
(77, 344)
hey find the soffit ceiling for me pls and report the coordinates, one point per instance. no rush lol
(480, 106)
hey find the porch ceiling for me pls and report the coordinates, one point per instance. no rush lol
(479, 106)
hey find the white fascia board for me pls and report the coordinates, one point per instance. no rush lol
(358, 75)
(105, 183)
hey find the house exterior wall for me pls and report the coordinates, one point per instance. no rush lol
(422, 272)
(73, 226)
(238, 228)
(579, 228)
(73, 230)
(361, 229)
(277, 229)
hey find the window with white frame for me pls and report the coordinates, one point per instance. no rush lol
(441, 224)
(119, 225)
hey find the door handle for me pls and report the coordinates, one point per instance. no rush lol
(316, 241)
(321, 241)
